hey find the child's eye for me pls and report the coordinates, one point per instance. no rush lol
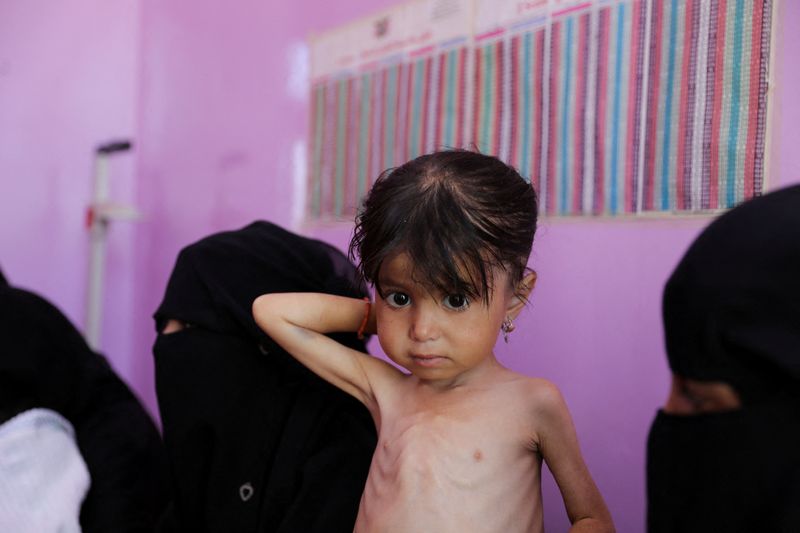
(457, 302)
(398, 299)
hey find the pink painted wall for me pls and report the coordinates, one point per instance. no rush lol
(208, 91)
(68, 80)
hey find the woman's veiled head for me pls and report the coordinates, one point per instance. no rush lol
(732, 319)
(732, 306)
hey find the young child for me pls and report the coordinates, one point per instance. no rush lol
(445, 240)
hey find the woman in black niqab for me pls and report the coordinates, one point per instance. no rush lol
(732, 322)
(256, 441)
(46, 363)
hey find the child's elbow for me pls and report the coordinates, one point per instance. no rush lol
(262, 310)
(605, 524)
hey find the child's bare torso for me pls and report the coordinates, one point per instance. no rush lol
(460, 460)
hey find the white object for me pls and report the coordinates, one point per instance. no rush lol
(43, 477)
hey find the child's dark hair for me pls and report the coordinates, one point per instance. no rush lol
(456, 213)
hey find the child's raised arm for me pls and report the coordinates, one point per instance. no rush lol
(559, 447)
(298, 322)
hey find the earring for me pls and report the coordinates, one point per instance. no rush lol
(507, 327)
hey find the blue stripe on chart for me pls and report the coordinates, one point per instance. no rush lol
(673, 29)
(526, 106)
(390, 117)
(488, 71)
(615, 118)
(416, 118)
(735, 103)
(565, 114)
(450, 116)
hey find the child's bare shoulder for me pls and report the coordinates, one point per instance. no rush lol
(540, 395)
(543, 407)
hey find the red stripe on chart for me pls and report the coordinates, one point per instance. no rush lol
(328, 192)
(538, 126)
(438, 141)
(600, 115)
(421, 51)
(348, 142)
(717, 113)
(489, 34)
(370, 130)
(683, 114)
(372, 65)
(752, 114)
(513, 119)
(397, 147)
(652, 105)
(398, 120)
(477, 96)
(409, 112)
(426, 94)
(577, 126)
(633, 118)
(571, 9)
(461, 98)
(498, 99)
(580, 115)
(384, 122)
(353, 147)
(555, 65)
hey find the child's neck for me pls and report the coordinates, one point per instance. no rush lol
(470, 377)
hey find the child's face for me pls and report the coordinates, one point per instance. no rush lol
(437, 337)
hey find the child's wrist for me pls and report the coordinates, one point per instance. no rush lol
(365, 322)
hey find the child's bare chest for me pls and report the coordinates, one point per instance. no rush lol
(461, 443)
(475, 455)
(428, 447)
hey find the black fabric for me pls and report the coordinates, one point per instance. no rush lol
(732, 314)
(732, 306)
(45, 362)
(735, 471)
(241, 416)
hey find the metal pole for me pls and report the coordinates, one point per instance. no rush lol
(98, 218)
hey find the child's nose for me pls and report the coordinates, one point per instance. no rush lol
(423, 325)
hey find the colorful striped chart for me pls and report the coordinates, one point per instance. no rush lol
(615, 107)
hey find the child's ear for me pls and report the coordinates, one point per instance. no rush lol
(521, 294)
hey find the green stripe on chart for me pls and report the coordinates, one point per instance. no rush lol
(366, 113)
(486, 101)
(319, 124)
(341, 142)
(390, 116)
(744, 114)
(450, 105)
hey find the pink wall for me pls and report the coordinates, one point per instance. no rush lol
(206, 92)
(68, 78)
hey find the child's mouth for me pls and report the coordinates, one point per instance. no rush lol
(427, 360)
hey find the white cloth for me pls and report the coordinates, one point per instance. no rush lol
(43, 478)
